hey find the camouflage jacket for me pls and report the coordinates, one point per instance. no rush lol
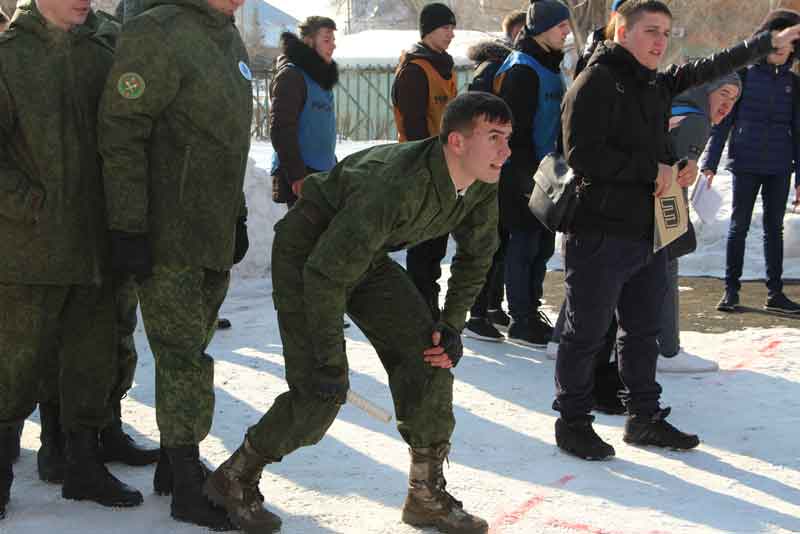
(175, 132)
(384, 199)
(52, 228)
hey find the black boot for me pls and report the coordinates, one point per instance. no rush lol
(234, 486)
(607, 389)
(117, 446)
(654, 430)
(162, 479)
(189, 503)
(428, 504)
(50, 459)
(576, 436)
(9, 435)
(86, 477)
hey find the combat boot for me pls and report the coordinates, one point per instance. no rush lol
(117, 446)
(86, 476)
(428, 503)
(189, 504)
(234, 485)
(50, 459)
(162, 479)
(8, 436)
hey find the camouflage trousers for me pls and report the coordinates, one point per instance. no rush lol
(64, 336)
(179, 309)
(387, 307)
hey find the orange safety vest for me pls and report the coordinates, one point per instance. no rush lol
(440, 93)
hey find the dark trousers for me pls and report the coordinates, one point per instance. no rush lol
(608, 275)
(774, 194)
(424, 265)
(492, 292)
(526, 265)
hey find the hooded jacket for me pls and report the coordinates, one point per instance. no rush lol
(414, 85)
(52, 228)
(487, 57)
(289, 93)
(175, 132)
(615, 130)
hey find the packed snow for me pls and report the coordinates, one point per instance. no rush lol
(744, 478)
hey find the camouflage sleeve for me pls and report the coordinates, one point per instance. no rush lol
(477, 240)
(20, 198)
(143, 81)
(342, 255)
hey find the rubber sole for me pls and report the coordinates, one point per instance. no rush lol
(220, 500)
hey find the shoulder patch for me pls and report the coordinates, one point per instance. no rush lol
(131, 85)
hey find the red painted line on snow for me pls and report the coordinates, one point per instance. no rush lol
(767, 351)
(578, 527)
(513, 517)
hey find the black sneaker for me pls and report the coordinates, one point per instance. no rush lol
(524, 333)
(729, 301)
(654, 430)
(577, 437)
(499, 319)
(223, 324)
(481, 328)
(782, 304)
(541, 323)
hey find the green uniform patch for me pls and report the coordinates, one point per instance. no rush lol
(131, 85)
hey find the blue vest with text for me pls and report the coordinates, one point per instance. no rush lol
(547, 120)
(316, 128)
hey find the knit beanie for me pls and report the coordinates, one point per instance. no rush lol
(543, 15)
(728, 79)
(435, 16)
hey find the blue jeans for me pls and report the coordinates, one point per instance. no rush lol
(526, 265)
(774, 194)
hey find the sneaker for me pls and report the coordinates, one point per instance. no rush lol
(729, 301)
(654, 430)
(552, 350)
(782, 304)
(685, 362)
(577, 437)
(481, 328)
(541, 323)
(499, 319)
(223, 324)
(524, 333)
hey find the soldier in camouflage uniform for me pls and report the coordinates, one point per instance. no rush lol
(174, 135)
(330, 255)
(54, 276)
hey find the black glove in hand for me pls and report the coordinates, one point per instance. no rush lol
(330, 383)
(450, 341)
(242, 242)
(131, 255)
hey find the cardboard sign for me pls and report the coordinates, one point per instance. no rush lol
(671, 213)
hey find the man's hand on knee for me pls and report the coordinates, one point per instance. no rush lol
(447, 348)
(330, 383)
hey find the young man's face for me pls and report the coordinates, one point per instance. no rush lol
(721, 102)
(555, 37)
(65, 14)
(226, 6)
(647, 39)
(484, 151)
(439, 39)
(780, 57)
(3, 26)
(323, 43)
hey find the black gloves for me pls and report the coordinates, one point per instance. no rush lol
(330, 383)
(450, 341)
(242, 243)
(131, 255)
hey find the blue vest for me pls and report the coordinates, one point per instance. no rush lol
(547, 119)
(316, 128)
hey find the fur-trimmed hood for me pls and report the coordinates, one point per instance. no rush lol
(296, 52)
(492, 50)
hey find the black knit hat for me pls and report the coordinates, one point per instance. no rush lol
(435, 16)
(543, 15)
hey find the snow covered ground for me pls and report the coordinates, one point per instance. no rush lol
(744, 478)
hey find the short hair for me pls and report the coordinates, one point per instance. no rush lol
(461, 113)
(633, 10)
(515, 18)
(313, 24)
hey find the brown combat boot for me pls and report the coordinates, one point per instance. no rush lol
(234, 486)
(428, 503)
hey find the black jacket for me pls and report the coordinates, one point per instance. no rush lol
(615, 120)
(520, 90)
(487, 56)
